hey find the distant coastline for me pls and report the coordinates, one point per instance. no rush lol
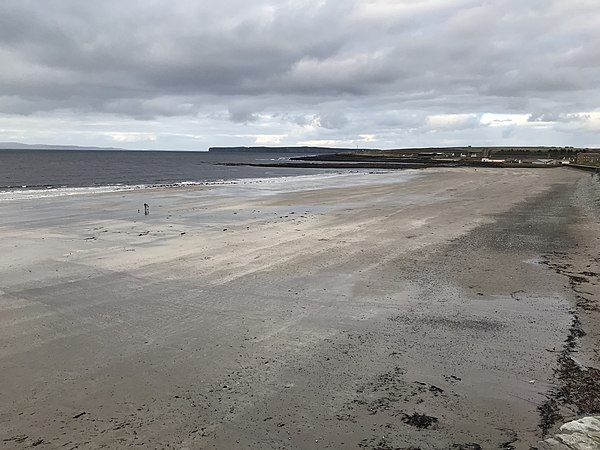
(319, 150)
(292, 149)
(506, 156)
(20, 146)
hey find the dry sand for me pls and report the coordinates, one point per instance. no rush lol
(386, 310)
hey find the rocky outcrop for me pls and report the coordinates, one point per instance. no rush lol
(582, 434)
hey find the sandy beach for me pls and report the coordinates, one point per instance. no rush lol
(436, 309)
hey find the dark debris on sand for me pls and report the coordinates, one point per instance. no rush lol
(381, 444)
(420, 420)
(578, 386)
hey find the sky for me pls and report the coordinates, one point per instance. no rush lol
(190, 74)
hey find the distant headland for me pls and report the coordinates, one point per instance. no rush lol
(21, 146)
(300, 149)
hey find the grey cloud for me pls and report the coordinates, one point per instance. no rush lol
(142, 109)
(332, 120)
(142, 49)
(558, 117)
(401, 120)
(300, 120)
(242, 113)
(267, 62)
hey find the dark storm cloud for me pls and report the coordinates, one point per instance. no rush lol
(330, 64)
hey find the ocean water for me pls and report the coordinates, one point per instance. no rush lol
(49, 172)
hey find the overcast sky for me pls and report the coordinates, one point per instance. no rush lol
(189, 74)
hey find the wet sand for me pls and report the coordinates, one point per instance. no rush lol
(427, 309)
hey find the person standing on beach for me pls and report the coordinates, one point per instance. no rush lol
(146, 209)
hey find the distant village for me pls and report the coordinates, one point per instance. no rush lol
(495, 155)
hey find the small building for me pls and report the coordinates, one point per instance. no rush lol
(588, 158)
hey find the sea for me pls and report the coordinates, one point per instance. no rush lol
(44, 173)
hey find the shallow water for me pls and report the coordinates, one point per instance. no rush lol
(51, 169)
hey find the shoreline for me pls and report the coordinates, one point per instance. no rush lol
(334, 164)
(300, 314)
(29, 192)
(33, 193)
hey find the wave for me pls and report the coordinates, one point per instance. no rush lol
(38, 192)
(8, 193)
(292, 183)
